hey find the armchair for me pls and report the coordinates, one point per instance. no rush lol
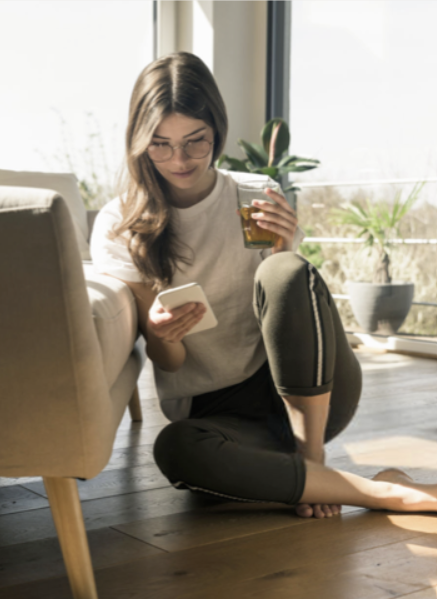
(68, 363)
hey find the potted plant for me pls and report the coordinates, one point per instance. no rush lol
(270, 157)
(383, 304)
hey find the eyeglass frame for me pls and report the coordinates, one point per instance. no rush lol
(173, 148)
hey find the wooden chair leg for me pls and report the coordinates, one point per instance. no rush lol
(67, 515)
(135, 407)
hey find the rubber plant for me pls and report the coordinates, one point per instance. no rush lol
(271, 156)
(377, 223)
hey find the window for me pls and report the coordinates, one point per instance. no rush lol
(363, 97)
(66, 73)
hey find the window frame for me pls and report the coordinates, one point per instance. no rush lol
(278, 59)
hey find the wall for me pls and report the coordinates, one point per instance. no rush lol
(231, 38)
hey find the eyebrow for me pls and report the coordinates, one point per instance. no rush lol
(188, 135)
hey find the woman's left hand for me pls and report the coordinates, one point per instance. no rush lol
(279, 218)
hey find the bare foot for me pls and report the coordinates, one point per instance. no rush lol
(317, 510)
(415, 496)
(306, 510)
(394, 475)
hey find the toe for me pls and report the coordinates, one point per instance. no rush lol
(304, 510)
(318, 511)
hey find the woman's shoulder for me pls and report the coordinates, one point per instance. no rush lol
(110, 253)
(112, 208)
(109, 215)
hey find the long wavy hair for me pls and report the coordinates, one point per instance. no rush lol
(177, 83)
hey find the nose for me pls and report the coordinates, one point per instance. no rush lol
(179, 156)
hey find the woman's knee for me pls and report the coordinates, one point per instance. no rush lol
(284, 270)
(278, 279)
(172, 448)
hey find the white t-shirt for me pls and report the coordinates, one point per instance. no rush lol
(233, 350)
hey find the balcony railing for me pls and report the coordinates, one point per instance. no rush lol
(369, 339)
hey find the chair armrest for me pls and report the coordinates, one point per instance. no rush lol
(56, 414)
(115, 319)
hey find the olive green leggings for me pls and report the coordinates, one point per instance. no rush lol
(237, 442)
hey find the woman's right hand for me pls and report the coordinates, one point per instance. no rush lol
(173, 325)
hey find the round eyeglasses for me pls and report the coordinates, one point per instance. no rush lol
(161, 152)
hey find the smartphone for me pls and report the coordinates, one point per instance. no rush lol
(193, 292)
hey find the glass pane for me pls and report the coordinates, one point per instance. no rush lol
(363, 96)
(66, 73)
(363, 101)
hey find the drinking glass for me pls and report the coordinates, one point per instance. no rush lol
(255, 237)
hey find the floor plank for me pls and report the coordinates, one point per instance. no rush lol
(145, 435)
(176, 532)
(101, 513)
(390, 419)
(329, 557)
(428, 593)
(28, 562)
(115, 482)
(135, 455)
(17, 498)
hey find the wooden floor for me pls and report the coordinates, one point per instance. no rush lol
(149, 540)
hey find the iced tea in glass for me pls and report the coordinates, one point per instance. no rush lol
(254, 236)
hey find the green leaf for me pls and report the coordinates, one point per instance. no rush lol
(283, 139)
(271, 171)
(235, 164)
(261, 151)
(295, 159)
(298, 169)
(252, 153)
(220, 160)
(376, 222)
(287, 160)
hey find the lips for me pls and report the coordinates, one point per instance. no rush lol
(185, 173)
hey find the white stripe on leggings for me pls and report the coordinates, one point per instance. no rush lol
(318, 327)
(181, 483)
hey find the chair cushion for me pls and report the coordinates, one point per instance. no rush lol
(115, 318)
(66, 185)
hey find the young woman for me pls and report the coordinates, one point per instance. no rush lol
(252, 401)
